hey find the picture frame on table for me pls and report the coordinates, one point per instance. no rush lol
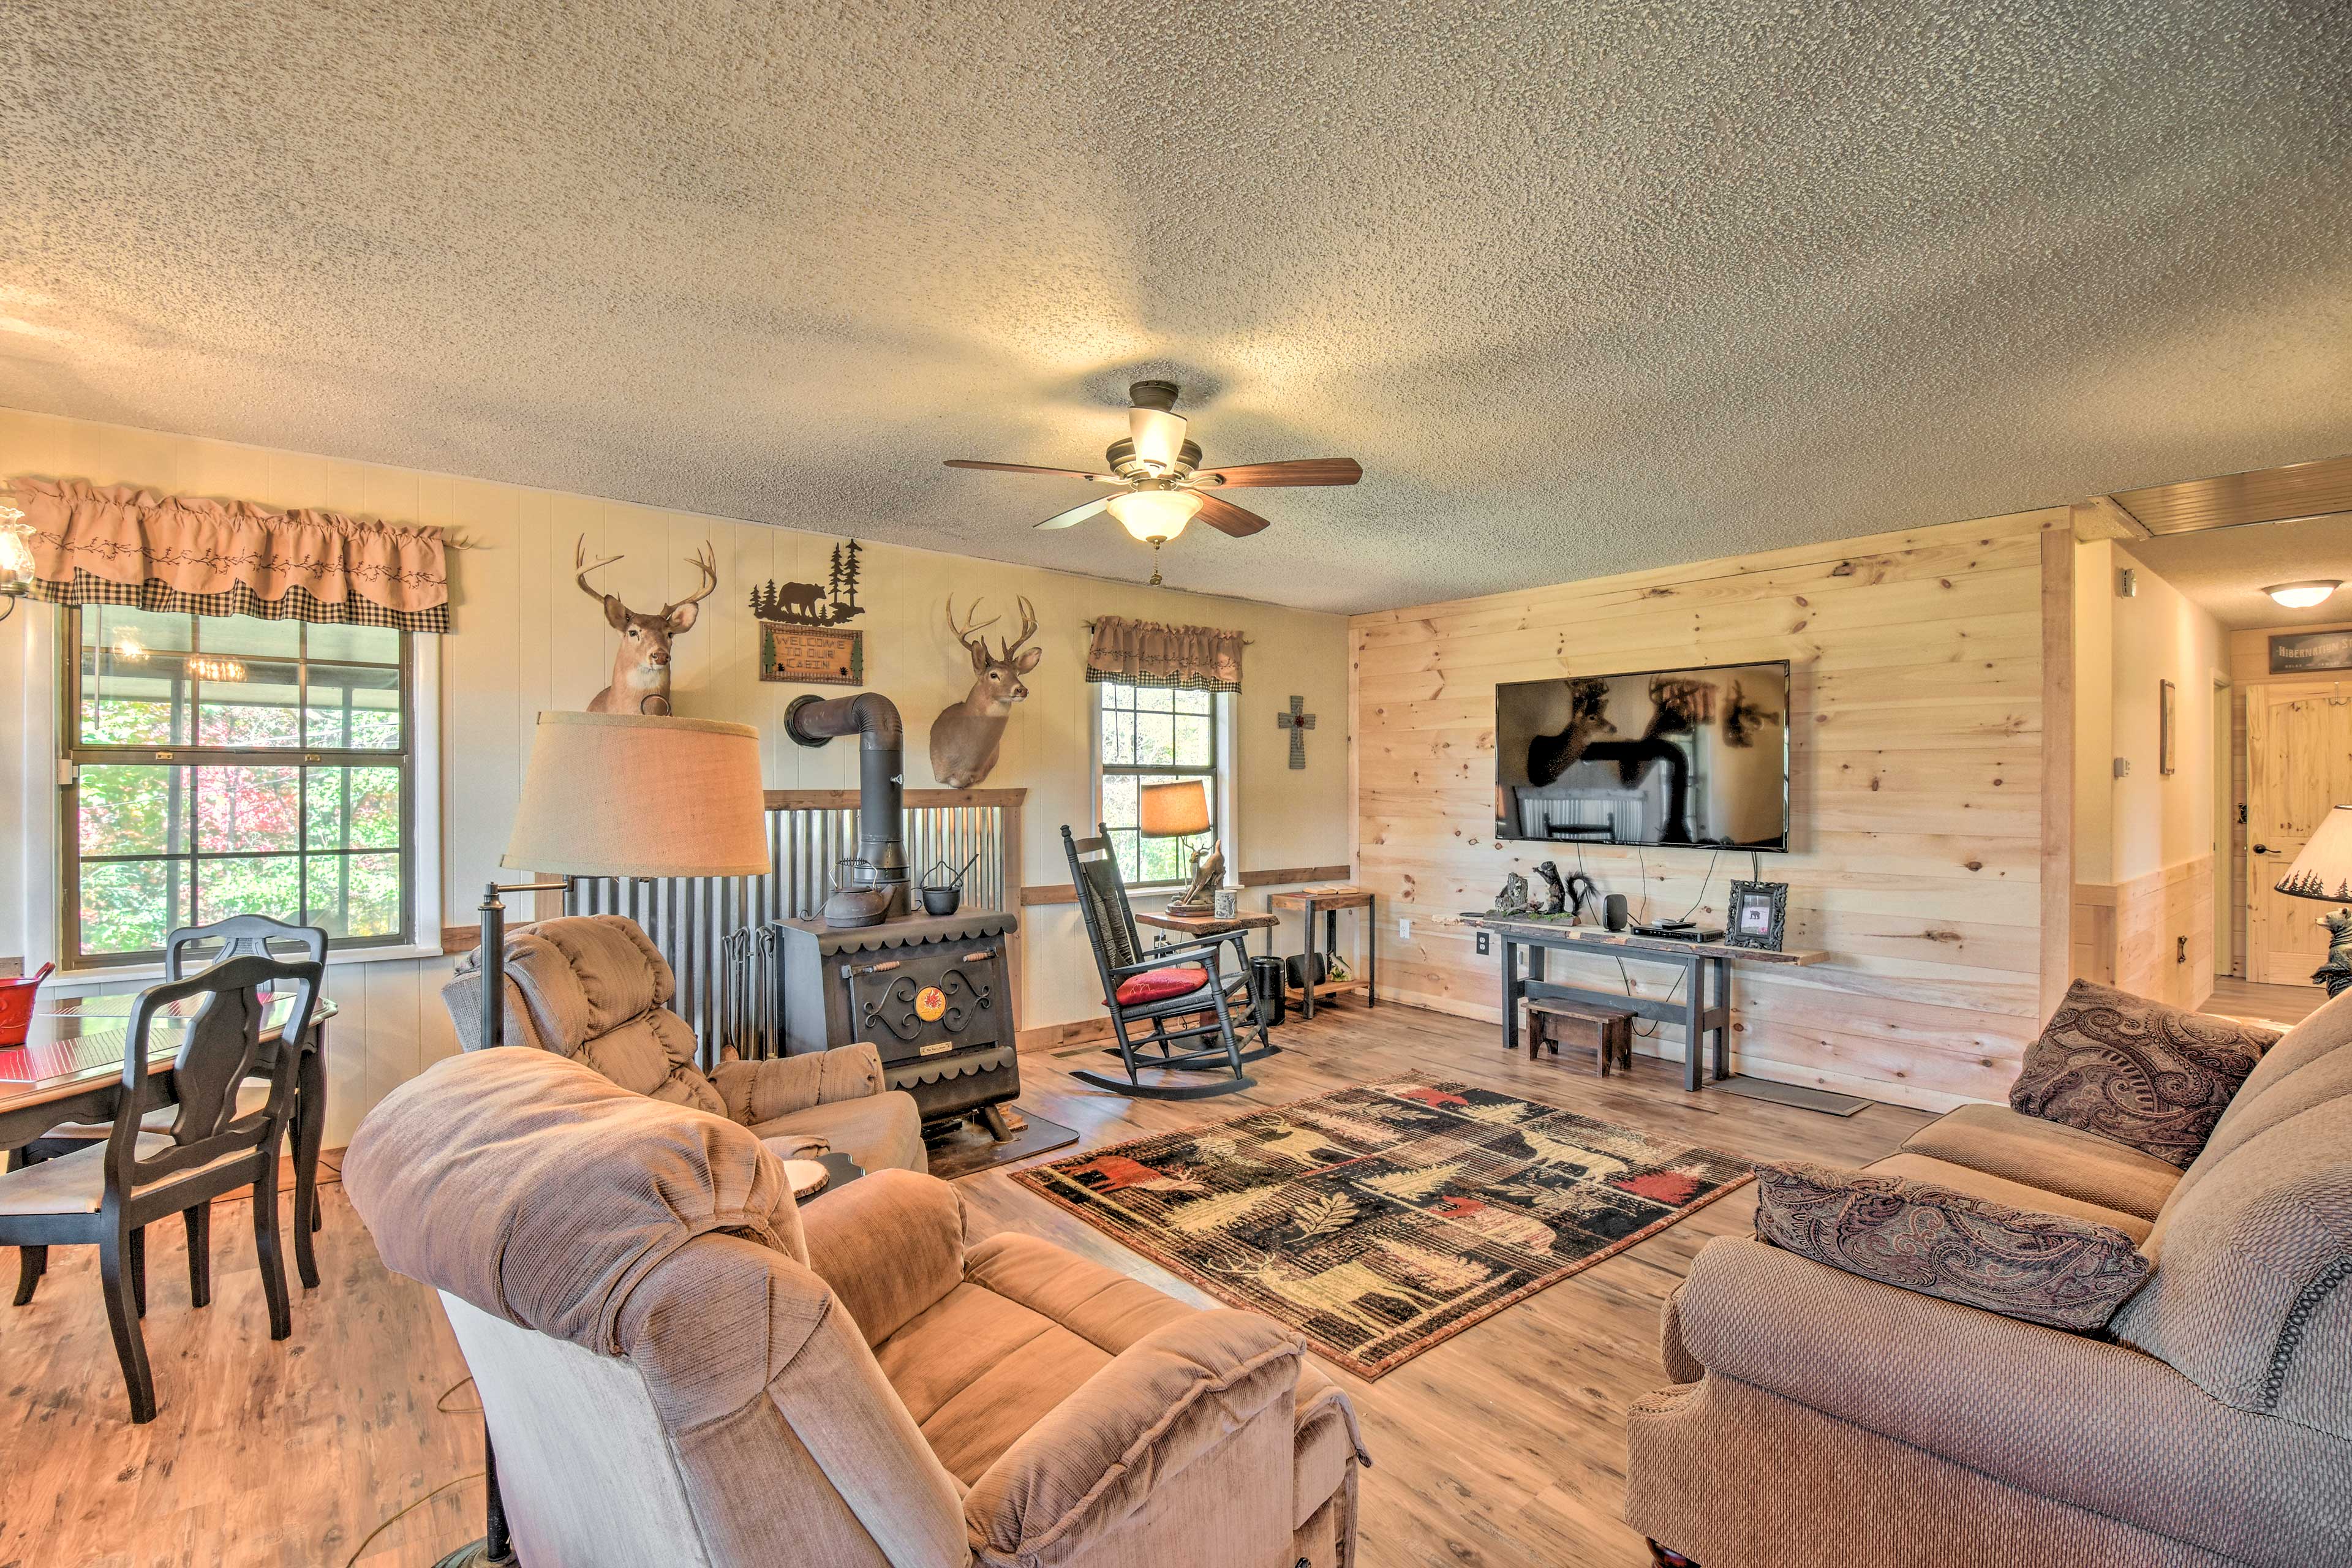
(1758, 916)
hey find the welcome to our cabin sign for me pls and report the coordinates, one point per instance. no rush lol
(811, 656)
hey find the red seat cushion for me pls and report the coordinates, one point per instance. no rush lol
(1159, 984)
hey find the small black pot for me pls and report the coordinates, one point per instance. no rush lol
(943, 901)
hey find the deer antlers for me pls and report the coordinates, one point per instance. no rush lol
(969, 634)
(705, 560)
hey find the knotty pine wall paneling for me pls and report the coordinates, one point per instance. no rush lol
(1916, 794)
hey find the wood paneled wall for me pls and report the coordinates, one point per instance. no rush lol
(2153, 935)
(1917, 761)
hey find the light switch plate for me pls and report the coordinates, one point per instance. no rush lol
(2123, 767)
(1404, 929)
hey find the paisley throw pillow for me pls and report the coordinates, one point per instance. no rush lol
(2153, 1077)
(2046, 1268)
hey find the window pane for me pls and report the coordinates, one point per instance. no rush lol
(270, 886)
(242, 810)
(1154, 699)
(1194, 701)
(1120, 804)
(1118, 737)
(359, 708)
(132, 702)
(129, 906)
(134, 632)
(245, 702)
(1155, 738)
(1163, 861)
(355, 895)
(135, 811)
(353, 808)
(248, 636)
(1193, 742)
(1130, 862)
(360, 645)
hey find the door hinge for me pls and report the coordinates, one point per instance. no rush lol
(2242, 813)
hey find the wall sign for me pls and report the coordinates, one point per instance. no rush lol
(811, 656)
(2294, 653)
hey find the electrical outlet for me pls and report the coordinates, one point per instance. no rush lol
(1404, 929)
(1485, 940)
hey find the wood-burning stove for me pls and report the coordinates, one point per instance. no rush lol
(933, 993)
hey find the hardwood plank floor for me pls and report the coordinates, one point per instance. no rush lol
(1504, 1445)
(2281, 1006)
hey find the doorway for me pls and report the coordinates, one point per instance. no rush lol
(2299, 766)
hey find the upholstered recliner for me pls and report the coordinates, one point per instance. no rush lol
(680, 1366)
(596, 989)
(1825, 1418)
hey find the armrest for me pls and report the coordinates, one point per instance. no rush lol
(1161, 956)
(890, 1245)
(1139, 1431)
(2085, 1421)
(762, 1091)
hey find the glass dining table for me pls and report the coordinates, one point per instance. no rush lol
(69, 1069)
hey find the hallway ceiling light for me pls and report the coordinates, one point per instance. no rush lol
(2303, 595)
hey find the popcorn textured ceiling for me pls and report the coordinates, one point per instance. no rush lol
(1586, 287)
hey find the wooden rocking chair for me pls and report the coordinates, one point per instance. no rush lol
(1154, 986)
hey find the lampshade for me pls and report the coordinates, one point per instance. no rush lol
(1174, 810)
(613, 795)
(1154, 514)
(2324, 870)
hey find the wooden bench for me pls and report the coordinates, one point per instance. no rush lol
(1608, 1033)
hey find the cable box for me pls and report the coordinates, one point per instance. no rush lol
(1682, 932)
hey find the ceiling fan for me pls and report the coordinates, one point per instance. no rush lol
(1161, 485)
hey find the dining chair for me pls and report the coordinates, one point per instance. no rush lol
(104, 1195)
(239, 936)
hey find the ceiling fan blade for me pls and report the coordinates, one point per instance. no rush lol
(1029, 468)
(1075, 514)
(1226, 517)
(1159, 438)
(1298, 471)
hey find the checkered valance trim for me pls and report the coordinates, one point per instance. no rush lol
(239, 600)
(1145, 653)
(1169, 682)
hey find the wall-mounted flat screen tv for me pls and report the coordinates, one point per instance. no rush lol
(1694, 757)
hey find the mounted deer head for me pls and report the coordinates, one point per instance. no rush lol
(641, 668)
(965, 735)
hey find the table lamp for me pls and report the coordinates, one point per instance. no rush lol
(1179, 811)
(616, 795)
(2323, 871)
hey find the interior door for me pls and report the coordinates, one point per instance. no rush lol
(2299, 766)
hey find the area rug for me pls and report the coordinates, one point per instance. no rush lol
(1382, 1219)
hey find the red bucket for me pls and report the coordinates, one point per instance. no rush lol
(17, 1005)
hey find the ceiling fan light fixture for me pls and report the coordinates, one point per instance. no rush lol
(2303, 595)
(1154, 516)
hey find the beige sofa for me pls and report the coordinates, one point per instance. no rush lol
(596, 989)
(680, 1366)
(1823, 1419)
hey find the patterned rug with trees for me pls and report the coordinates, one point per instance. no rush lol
(1380, 1219)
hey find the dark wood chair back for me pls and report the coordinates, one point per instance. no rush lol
(1102, 902)
(220, 1047)
(239, 935)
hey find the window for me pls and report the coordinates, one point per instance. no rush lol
(1150, 734)
(224, 766)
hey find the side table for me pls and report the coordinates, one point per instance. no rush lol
(1237, 927)
(1329, 901)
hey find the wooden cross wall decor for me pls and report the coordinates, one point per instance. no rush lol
(1297, 722)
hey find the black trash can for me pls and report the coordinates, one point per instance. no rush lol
(1265, 987)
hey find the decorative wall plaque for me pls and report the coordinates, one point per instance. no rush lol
(811, 656)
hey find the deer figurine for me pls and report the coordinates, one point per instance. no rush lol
(965, 735)
(641, 668)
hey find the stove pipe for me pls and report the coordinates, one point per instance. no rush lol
(881, 784)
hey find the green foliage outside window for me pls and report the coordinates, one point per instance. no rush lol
(1154, 735)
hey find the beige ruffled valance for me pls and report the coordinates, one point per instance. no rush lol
(1145, 653)
(121, 545)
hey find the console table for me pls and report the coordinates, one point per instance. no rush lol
(1704, 1009)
